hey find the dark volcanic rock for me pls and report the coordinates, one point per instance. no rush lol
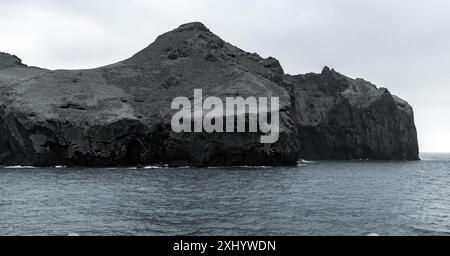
(8, 60)
(343, 118)
(120, 114)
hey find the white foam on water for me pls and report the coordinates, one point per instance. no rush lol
(139, 168)
(154, 167)
(302, 162)
(19, 167)
(241, 166)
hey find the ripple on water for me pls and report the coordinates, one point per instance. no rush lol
(327, 198)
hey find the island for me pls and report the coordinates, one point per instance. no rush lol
(120, 114)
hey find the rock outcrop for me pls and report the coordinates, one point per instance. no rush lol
(120, 114)
(7, 60)
(343, 118)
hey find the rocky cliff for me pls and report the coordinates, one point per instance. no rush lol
(120, 114)
(343, 118)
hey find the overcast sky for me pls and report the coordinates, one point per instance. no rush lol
(401, 45)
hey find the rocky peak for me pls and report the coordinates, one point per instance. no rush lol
(193, 44)
(7, 60)
(192, 26)
(188, 40)
(326, 71)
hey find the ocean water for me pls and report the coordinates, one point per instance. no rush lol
(323, 198)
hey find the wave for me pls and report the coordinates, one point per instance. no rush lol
(30, 167)
(240, 166)
(142, 167)
(432, 231)
(304, 162)
(19, 167)
(155, 167)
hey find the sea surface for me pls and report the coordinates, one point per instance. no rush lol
(322, 198)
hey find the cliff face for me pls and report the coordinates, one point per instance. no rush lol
(343, 118)
(120, 114)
